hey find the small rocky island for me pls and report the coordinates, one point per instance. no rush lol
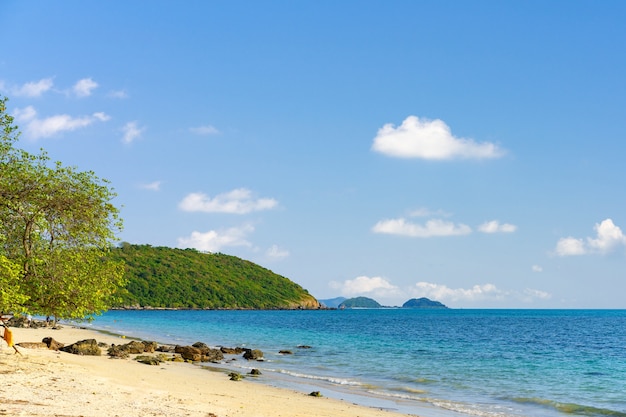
(423, 303)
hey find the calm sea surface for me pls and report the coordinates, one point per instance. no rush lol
(434, 363)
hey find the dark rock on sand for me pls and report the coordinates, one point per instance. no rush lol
(52, 344)
(199, 354)
(232, 351)
(84, 347)
(253, 355)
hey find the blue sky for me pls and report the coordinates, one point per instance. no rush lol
(469, 152)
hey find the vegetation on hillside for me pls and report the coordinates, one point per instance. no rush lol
(422, 303)
(360, 302)
(162, 277)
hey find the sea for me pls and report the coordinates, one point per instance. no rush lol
(431, 363)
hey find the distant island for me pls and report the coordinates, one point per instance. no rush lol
(162, 277)
(422, 303)
(365, 302)
(360, 302)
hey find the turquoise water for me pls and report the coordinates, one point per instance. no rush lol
(427, 362)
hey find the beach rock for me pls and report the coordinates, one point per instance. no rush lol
(303, 347)
(134, 347)
(315, 394)
(285, 352)
(208, 354)
(149, 360)
(189, 353)
(255, 372)
(253, 355)
(149, 347)
(33, 345)
(232, 351)
(52, 344)
(235, 376)
(118, 351)
(165, 348)
(84, 347)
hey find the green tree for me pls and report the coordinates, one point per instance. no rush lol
(58, 224)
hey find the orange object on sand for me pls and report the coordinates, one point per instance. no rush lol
(8, 336)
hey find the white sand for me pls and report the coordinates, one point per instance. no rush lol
(41, 382)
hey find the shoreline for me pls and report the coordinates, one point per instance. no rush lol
(42, 382)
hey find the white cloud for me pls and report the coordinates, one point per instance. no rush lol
(537, 268)
(153, 186)
(530, 295)
(569, 246)
(84, 87)
(608, 237)
(32, 89)
(238, 201)
(204, 130)
(35, 128)
(432, 228)
(131, 132)
(366, 286)
(442, 292)
(494, 226)
(214, 241)
(429, 139)
(276, 252)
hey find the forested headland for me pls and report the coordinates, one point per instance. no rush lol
(162, 277)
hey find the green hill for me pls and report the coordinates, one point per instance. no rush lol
(162, 277)
(360, 302)
(422, 303)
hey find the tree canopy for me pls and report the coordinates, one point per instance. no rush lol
(57, 225)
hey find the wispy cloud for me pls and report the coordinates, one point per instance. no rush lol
(494, 226)
(537, 268)
(366, 286)
(29, 89)
(431, 228)
(429, 139)
(479, 292)
(238, 201)
(215, 240)
(131, 131)
(275, 252)
(84, 87)
(35, 127)
(608, 238)
(204, 130)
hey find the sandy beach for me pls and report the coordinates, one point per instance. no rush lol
(42, 382)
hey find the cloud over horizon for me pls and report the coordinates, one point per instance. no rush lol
(429, 139)
(608, 238)
(238, 201)
(366, 286)
(477, 293)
